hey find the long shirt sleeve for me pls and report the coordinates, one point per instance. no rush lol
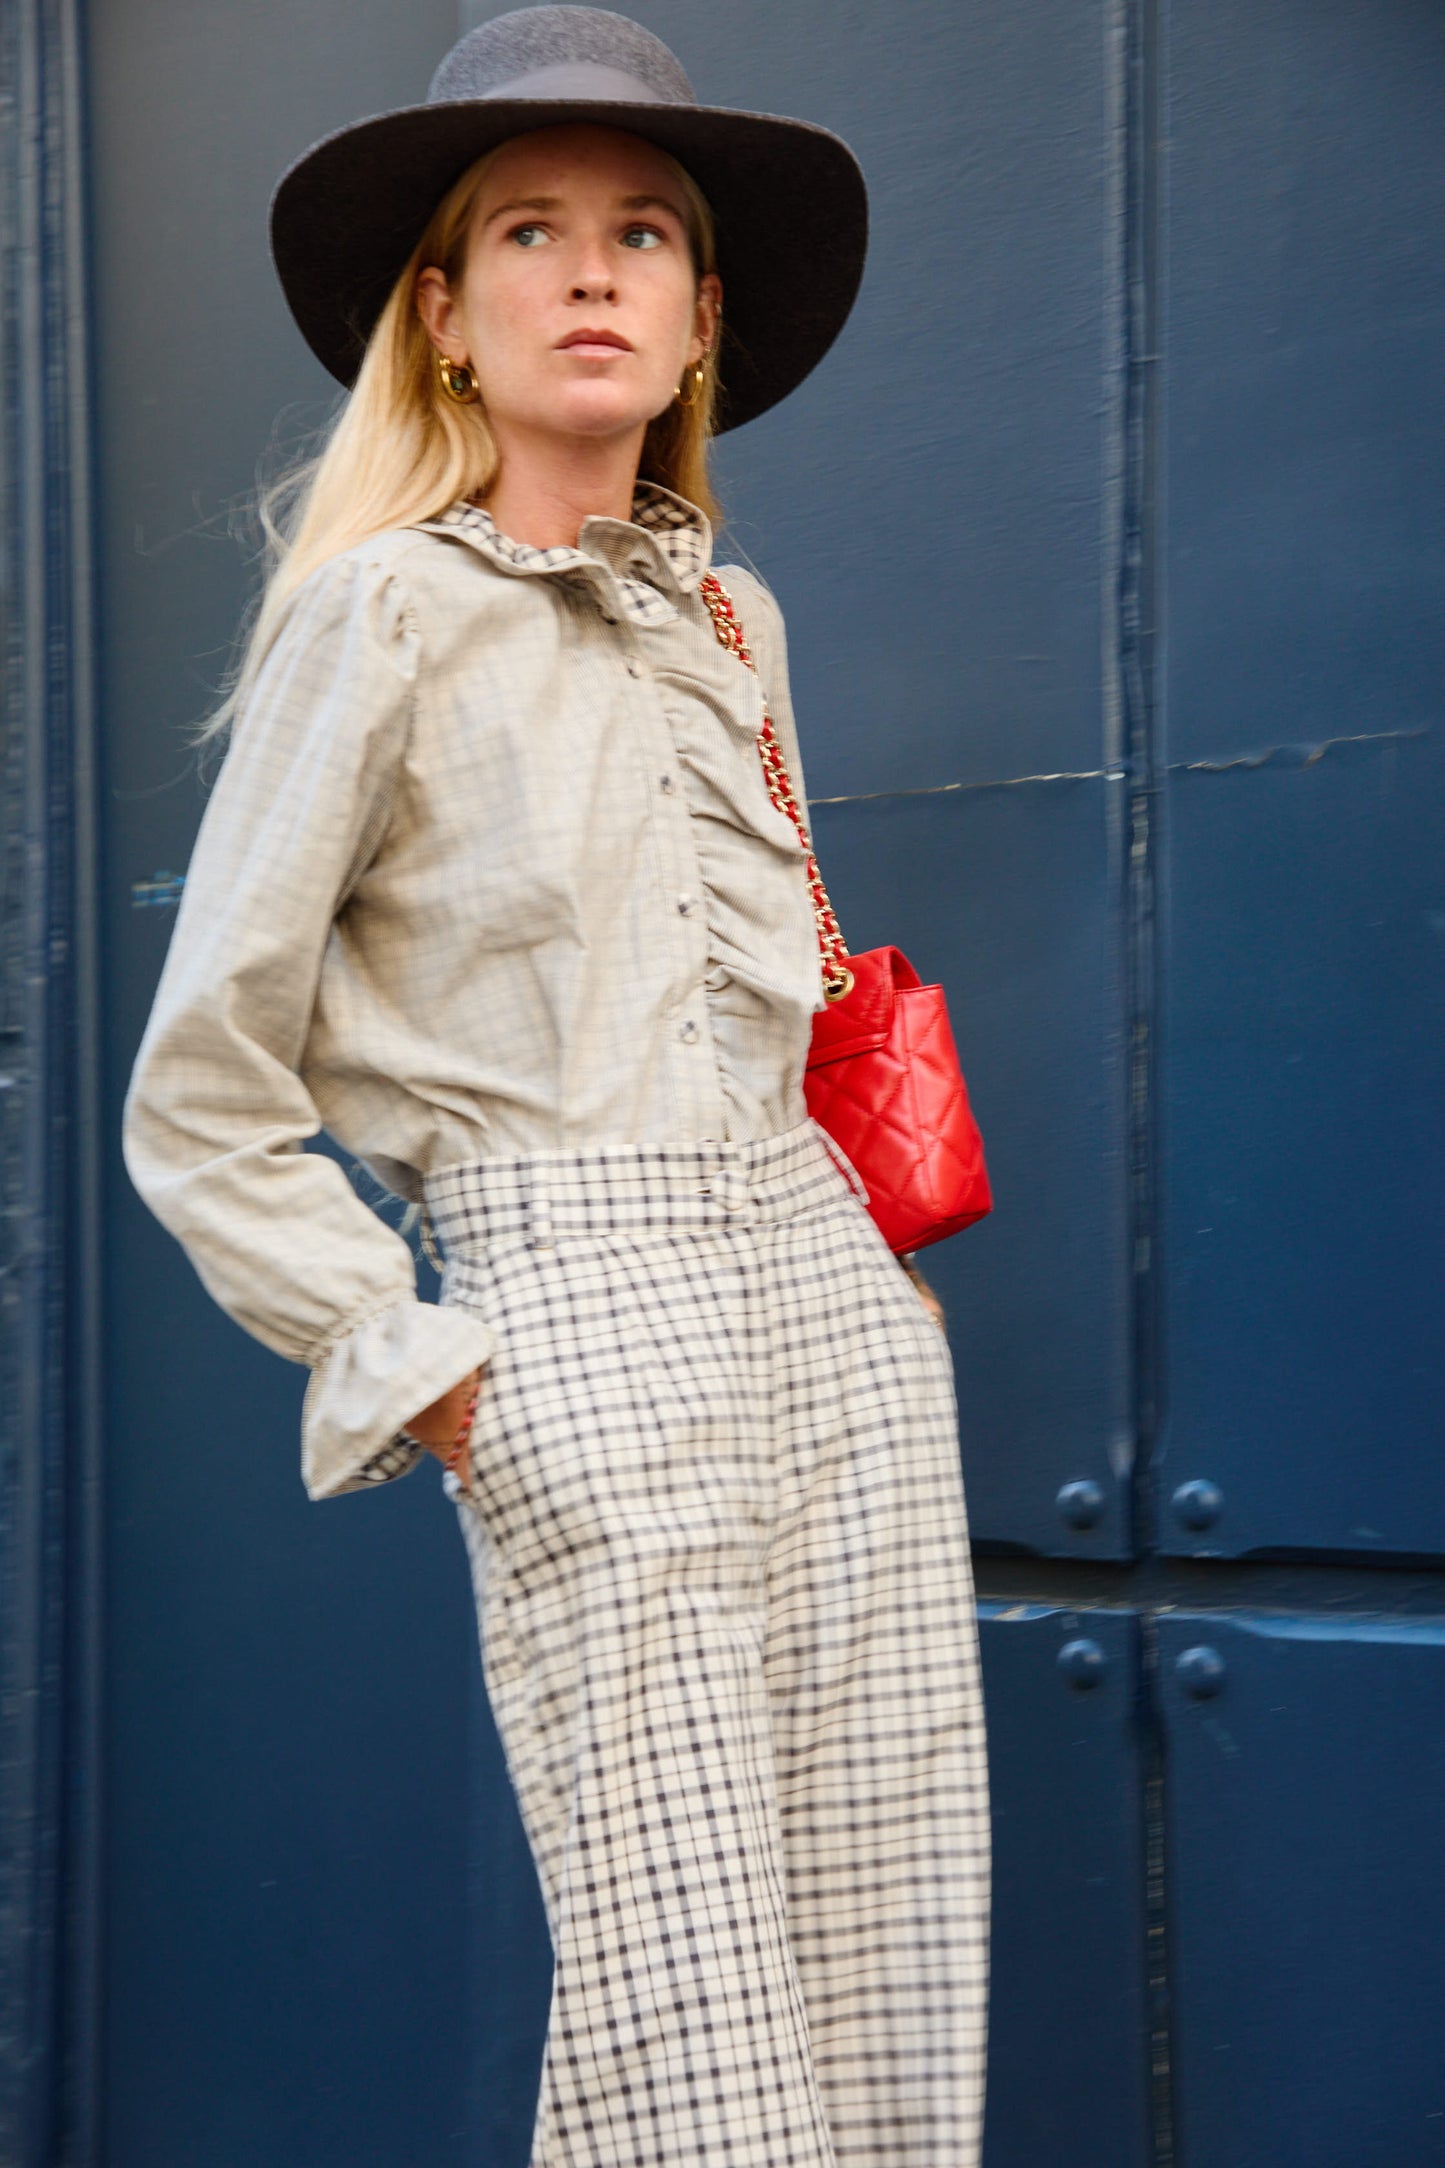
(218, 1113)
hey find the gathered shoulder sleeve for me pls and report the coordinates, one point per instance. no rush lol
(217, 1113)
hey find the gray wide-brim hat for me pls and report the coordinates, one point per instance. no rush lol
(788, 199)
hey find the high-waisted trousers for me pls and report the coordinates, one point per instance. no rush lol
(716, 1525)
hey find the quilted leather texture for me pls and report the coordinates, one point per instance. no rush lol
(900, 1111)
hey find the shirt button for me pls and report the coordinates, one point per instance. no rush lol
(687, 905)
(688, 1033)
(634, 667)
(666, 785)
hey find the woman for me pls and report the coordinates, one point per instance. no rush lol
(491, 888)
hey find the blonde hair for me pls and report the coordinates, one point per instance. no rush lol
(401, 451)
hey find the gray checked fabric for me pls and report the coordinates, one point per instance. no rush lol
(718, 1537)
(490, 867)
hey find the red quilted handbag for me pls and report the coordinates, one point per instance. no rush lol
(883, 1075)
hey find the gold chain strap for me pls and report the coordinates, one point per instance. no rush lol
(837, 978)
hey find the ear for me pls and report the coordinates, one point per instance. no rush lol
(438, 313)
(707, 315)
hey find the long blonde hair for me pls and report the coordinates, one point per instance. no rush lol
(401, 451)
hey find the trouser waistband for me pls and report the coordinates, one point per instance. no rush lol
(635, 1189)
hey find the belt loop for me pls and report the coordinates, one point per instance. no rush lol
(732, 1187)
(429, 1241)
(729, 1185)
(540, 1212)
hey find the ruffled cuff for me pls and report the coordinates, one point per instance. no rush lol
(373, 1380)
(396, 1459)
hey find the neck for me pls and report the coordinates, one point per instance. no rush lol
(547, 486)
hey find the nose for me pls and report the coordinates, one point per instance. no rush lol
(592, 274)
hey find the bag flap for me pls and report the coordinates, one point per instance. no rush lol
(862, 1020)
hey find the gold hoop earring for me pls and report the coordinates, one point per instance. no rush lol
(459, 380)
(699, 378)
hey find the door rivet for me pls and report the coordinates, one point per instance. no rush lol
(1200, 1671)
(1081, 1503)
(1198, 1504)
(1083, 1663)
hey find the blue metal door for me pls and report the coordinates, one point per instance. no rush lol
(1307, 1924)
(1110, 543)
(1305, 1000)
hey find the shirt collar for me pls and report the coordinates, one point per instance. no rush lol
(645, 562)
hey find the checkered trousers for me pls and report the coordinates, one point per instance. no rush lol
(717, 1531)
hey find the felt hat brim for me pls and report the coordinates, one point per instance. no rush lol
(788, 201)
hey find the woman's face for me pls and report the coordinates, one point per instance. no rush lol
(579, 306)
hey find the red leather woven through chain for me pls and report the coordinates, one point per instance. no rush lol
(831, 946)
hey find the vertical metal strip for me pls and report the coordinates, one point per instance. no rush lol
(1114, 371)
(74, 365)
(1135, 627)
(28, 1763)
(1136, 635)
(1113, 749)
(49, 1525)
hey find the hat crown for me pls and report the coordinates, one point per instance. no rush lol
(501, 56)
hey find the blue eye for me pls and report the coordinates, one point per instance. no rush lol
(519, 234)
(642, 237)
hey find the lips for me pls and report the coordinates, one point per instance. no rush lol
(612, 341)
